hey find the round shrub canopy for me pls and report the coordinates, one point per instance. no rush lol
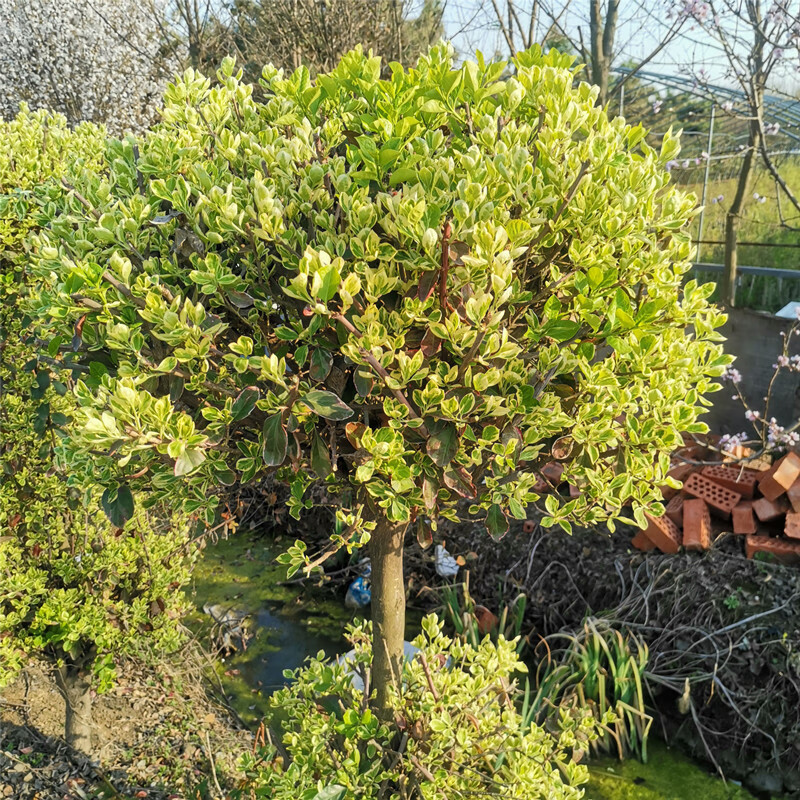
(420, 289)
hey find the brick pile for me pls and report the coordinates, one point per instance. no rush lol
(757, 500)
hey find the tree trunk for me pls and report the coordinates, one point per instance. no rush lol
(388, 608)
(74, 685)
(734, 214)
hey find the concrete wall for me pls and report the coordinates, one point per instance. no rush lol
(754, 338)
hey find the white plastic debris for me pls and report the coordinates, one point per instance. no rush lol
(446, 565)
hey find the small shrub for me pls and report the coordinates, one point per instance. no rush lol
(456, 731)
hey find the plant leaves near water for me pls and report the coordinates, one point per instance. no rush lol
(245, 402)
(443, 445)
(321, 362)
(117, 505)
(189, 461)
(274, 440)
(327, 405)
(332, 792)
(320, 457)
(496, 522)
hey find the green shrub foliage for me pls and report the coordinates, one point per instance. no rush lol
(75, 589)
(456, 732)
(419, 289)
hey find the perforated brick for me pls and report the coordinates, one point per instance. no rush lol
(696, 525)
(743, 519)
(641, 542)
(780, 477)
(742, 481)
(719, 499)
(793, 495)
(785, 551)
(674, 509)
(767, 510)
(663, 533)
(792, 526)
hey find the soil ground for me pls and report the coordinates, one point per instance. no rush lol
(156, 735)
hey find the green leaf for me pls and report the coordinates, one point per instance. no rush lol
(332, 792)
(320, 457)
(274, 440)
(496, 522)
(321, 362)
(118, 505)
(189, 461)
(443, 445)
(363, 381)
(327, 405)
(561, 329)
(245, 402)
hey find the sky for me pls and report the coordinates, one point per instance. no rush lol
(642, 25)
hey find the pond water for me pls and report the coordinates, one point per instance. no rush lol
(292, 622)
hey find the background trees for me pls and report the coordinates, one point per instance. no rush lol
(95, 60)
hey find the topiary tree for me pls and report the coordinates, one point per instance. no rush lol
(76, 591)
(418, 290)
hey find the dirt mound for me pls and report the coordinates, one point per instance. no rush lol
(158, 734)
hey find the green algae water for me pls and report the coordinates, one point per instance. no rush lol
(288, 622)
(291, 623)
(667, 775)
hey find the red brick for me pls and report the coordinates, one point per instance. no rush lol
(641, 542)
(674, 509)
(696, 525)
(767, 510)
(792, 527)
(783, 474)
(736, 479)
(785, 551)
(719, 499)
(793, 493)
(549, 477)
(663, 533)
(743, 519)
(574, 491)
